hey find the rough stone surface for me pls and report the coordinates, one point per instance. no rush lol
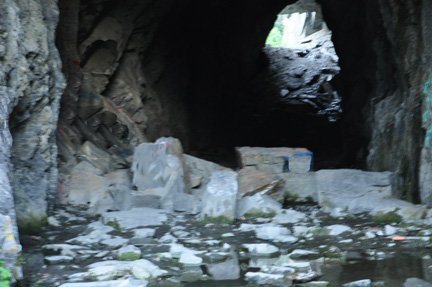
(416, 282)
(298, 187)
(356, 191)
(158, 173)
(136, 217)
(202, 169)
(220, 197)
(30, 87)
(288, 216)
(253, 181)
(275, 160)
(257, 205)
(87, 185)
(261, 249)
(35, 89)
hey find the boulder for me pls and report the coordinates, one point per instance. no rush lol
(255, 181)
(97, 157)
(297, 187)
(200, 170)
(275, 160)
(416, 282)
(87, 185)
(220, 197)
(175, 148)
(158, 173)
(258, 205)
(356, 191)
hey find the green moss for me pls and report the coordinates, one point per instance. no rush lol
(260, 214)
(321, 231)
(129, 256)
(5, 276)
(291, 197)
(114, 224)
(220, 219)
(389, 217)
(31, 223)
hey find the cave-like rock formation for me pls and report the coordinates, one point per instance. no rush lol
(138, 70)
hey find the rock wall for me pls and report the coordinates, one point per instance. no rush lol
(30, 87)
(384, 57)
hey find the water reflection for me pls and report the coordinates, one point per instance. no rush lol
(392, 271)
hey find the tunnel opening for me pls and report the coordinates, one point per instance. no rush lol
(288, 101)
(213, 84)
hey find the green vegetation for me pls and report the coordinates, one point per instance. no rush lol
(290, 197)
(220, 219)
(389, 217)
(274, 38)
(5, 276)
(129, 256)
(260, 214)
(321, 231)
(114, 224)
(32, 223)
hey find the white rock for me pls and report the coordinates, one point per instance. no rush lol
(257, 204)
(359, 283)
(57, 259)
(115, 241)
(168, 238)
(144, 232)
(229, 234)
(356, 191)
(136, 217)
(270, 231)
(98, 233)
(300, 230)
(390, 230)
(190, 259)
(370, 234)
(129, 251)
(277, 270)
(220, 197)
(143, 269)
(262, 278)
(337, 229)
(261, 249)
(289, 216)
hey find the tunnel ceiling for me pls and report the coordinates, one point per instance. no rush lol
(138, 70)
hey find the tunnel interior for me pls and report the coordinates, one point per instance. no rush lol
(200, 71)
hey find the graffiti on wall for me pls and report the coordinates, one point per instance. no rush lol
(427, 114)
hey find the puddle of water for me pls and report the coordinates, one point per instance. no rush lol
(392, 271)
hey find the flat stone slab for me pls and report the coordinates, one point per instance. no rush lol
(275, 160)
(136, 217)
(356, 191)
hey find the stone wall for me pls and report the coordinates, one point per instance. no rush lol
(30, 87)
(384, 57)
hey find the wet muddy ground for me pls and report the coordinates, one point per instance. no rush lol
(383, 260)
